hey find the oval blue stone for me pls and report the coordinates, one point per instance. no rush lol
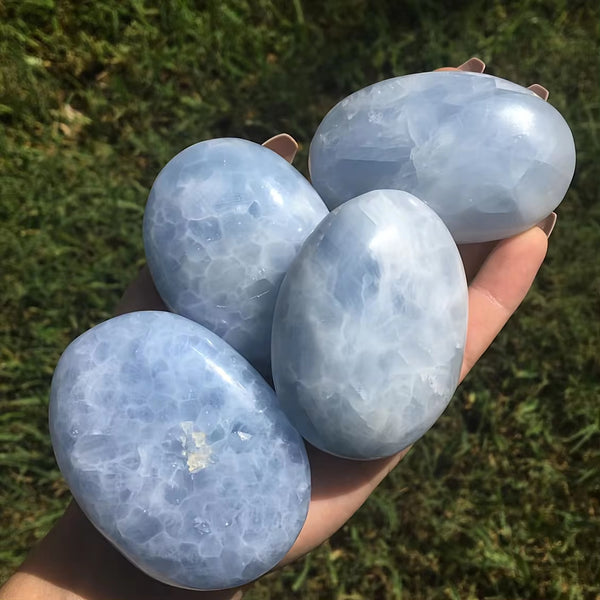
(223, 222)
(370, 326)
(177, 451)
(489, 156)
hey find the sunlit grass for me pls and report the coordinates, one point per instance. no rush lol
(501, 498)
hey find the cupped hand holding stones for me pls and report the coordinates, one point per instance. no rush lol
(499, 275)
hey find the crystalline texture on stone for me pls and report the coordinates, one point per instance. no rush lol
(223, 222)
(177, 451)
(489, 156)
(369, 327)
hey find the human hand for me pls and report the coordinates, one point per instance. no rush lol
(75, 561)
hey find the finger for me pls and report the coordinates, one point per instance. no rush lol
(474, 255)
(140, 295)
(284, 145)
(547, 225)
(499, 287)
(540, 91)
(473, 65)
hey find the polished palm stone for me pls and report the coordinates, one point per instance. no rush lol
(489, 156)
(369, 327)
(223, 222)
(177, 451)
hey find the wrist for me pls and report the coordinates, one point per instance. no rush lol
(75, 562)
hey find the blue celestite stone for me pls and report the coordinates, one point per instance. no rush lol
(489, 156)
(224, 220)
(177, 451)
(369, 327)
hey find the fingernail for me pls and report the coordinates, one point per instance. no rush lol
(474, 65)
(284, 145)
(539, 90)
(547, 224)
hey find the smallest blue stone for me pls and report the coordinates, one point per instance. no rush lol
(224, 220)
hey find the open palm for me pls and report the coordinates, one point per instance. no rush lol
(499, 276)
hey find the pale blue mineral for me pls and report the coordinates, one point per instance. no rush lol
(489, 156)
(177, 451)
(224, 220)
(370, 326)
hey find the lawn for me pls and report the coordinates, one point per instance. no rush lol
(501, 499)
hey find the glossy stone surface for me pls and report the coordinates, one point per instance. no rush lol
(369, 327)
(223, 222)
(177, 451)
(489, 156)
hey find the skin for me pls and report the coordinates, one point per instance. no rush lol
(74, 562)
(500, 275)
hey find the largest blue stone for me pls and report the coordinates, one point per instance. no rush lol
(489, 156)
(177, 451)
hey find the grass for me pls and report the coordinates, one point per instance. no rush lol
(502, 498)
